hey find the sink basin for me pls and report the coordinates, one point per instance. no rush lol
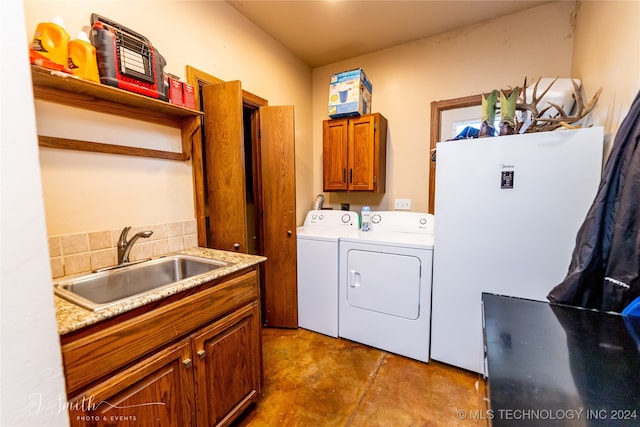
(97, 291)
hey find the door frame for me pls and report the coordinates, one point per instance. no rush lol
(437, 107)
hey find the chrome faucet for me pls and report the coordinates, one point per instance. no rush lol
(124, 246)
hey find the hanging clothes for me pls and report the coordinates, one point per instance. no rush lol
(604, 272)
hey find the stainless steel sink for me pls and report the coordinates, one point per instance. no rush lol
(97, 291)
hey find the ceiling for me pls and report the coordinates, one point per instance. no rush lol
(322, 32)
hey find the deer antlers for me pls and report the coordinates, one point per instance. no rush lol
(539, 123)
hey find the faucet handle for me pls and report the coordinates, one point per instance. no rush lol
(122, 240)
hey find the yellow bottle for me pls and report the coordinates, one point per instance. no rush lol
(82, 58)
(51, 41)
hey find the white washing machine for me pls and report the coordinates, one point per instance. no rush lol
(385, 284)
(317, 248)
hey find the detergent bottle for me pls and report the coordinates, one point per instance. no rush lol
(50, 45)
(366, 218)
(82, 58)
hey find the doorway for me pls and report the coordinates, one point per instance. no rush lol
(252, 198)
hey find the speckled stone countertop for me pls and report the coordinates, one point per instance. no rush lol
(72, 317)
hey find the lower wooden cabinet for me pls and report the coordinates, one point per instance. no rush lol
(206, 378)
(158, 391)
(227, 380)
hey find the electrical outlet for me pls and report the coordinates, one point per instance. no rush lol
(403, 204)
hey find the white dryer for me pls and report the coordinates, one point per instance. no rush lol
(385, 284)
(317, 247)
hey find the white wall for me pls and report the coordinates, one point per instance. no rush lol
(605, 55)
(32, 383)
(407, 78)
(90, 192)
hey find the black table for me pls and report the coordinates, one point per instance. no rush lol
(555, 365)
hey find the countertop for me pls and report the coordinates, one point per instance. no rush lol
(72, 317)
(556, 365)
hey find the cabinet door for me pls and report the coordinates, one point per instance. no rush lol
(361, 153)
(157, 390)
(334, 155)
(228, 379)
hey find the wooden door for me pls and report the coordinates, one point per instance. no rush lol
(224, 157)
(227, 381)
(277, 169)
(334, 155)
(361, 153)
(158, 388)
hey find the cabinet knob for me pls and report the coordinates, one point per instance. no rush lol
(236, 246)
(187, 363)
(201, 354)
(289, 233)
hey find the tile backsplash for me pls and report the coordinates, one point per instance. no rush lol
(85, 252)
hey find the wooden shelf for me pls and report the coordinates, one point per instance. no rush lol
(68, 90)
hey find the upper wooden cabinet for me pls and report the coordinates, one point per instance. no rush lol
(354, 151)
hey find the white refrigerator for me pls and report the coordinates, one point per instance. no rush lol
(507, 211)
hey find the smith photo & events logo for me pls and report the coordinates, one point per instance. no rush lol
(86, 409)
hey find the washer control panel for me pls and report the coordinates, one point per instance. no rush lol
(332, 219)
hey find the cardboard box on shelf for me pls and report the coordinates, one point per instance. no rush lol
(188, 96)
(175, 91)
(349, 94)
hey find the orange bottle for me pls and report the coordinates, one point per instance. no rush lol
(82, 58)
(51, 43)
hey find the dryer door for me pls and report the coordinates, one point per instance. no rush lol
(387, 283)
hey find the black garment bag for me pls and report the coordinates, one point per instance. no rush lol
(604, 272)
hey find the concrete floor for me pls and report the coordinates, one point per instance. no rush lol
(314, 380)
